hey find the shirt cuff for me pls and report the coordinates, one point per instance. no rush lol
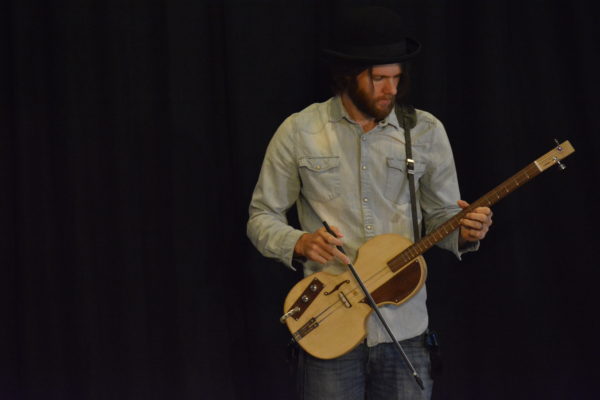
(467, 248)
(290, 241)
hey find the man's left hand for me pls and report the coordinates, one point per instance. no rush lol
(475, 225)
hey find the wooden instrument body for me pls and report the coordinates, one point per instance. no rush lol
(334, 320)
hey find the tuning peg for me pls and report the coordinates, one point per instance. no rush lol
(556, 159)
(558, 146)
(559, 164)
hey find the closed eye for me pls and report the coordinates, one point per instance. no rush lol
(377, 78)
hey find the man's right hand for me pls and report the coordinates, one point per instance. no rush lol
(319, 246)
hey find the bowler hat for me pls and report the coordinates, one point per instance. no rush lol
(370, 35)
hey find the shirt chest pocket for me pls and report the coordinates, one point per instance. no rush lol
(320, 177)
(396, 186)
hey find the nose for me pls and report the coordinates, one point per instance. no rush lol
(390, 87)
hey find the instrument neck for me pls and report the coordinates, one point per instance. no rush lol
(488, 200)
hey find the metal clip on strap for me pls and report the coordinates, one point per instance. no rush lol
(410, 165)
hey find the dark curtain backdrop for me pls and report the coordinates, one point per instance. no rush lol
(132, 133)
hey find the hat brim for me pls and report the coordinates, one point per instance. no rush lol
(367, 56)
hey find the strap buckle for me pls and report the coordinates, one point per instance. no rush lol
(410, 166)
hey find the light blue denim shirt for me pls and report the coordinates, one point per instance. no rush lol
(322, 160)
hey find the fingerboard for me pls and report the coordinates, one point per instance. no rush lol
(489, 199)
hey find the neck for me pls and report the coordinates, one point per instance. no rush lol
(366, 122)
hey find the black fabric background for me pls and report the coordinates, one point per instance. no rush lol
(132, 136)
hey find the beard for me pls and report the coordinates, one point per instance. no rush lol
(368, 105)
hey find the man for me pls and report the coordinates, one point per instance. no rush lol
(343, 161)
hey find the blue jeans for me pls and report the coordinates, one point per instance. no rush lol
(372, 373)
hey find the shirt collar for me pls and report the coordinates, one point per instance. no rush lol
(338, 112)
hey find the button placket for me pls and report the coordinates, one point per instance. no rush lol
(365, 188)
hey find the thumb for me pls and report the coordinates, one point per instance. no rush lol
(462, 204)
(337, 232)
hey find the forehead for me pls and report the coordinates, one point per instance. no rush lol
(386, 70)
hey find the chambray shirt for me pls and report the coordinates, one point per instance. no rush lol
(321, 160)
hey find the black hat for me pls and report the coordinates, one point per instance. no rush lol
(371, 35)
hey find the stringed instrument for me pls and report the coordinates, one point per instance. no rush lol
(326, 314)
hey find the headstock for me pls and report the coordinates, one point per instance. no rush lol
(554, 156)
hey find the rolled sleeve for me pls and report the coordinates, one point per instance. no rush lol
(276, 191)
(440, 191)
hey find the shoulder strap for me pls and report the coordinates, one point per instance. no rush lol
(407, 118)
(406, 115)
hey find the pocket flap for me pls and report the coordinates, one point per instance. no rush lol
(319, 164)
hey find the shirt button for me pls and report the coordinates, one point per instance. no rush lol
(364, 167)
(365, 200)
(318, 167)
(369, 227)
(364, 137)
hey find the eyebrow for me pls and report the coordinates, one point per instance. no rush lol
(386, 76)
